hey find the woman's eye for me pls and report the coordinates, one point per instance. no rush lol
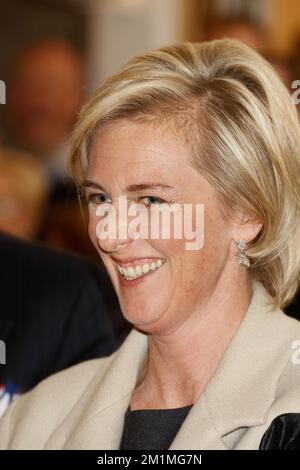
(98, 198)
(149, 200)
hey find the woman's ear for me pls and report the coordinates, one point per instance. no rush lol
(246, 227)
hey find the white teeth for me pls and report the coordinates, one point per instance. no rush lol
(138, 270)
(130, 271)
(146, 268)
(133, 272)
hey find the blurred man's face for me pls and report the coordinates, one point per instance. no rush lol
(45, 97)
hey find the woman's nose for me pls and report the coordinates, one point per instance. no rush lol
(111, 245)
(114, 233)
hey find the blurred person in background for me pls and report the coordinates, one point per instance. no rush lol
(56, 310)
(23, 194)
(45, 93)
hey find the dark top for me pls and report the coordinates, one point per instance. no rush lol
(152, 429)
(156, 429)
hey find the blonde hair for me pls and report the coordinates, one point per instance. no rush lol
(242, 130)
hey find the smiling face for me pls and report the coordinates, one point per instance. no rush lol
(126, 157)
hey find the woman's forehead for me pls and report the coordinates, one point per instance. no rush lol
(135, 172)
(139, 148)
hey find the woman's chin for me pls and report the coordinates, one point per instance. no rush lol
(146, 320)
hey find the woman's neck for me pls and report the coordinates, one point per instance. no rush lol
(180, 364)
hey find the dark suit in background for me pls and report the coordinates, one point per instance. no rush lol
(56, 309)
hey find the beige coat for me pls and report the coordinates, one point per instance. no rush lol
(83, 407)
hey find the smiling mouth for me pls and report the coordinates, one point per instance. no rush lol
(132, 272)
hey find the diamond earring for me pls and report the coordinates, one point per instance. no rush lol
(242, 258)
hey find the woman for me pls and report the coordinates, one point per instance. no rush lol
(212, 362)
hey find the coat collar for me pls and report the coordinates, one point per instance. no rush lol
(239, 393)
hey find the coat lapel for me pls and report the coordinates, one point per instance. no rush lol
(96, 421)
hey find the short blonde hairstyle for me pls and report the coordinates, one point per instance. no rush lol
(242, 131)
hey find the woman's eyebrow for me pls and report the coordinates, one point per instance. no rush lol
(92, 184)
(143, 186)
(132, 187)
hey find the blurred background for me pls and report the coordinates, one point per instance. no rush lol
(53, 53)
